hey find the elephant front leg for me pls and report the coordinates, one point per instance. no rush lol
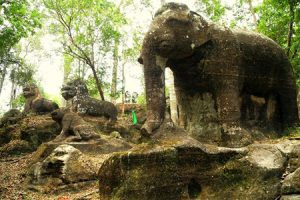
(155, 95)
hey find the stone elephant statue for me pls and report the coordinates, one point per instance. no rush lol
(205, 58)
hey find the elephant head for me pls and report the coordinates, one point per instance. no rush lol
(174, 33)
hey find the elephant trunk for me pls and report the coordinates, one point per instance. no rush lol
(155, 91)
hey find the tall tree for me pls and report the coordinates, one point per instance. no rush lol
(115, 70)
(280, 20)
(18, 20)
(87, 27)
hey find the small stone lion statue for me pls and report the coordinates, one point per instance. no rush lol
(10, 117)
(35, 102)
(82, 103)
(73, 125)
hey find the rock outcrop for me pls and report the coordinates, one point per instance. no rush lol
(193, 171)
(178, 167)
(58, 166)
(27, 134)
(65, 165)
(10, 117)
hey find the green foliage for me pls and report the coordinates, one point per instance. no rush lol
(85, 24)
(56, 98)
(141, 100)
(88, 29)
(214, 9)
(292, 132)
(275, 18)
(23, 74)
(19, 102)
(91, 85)
(17, 20)
(67, 64)
(132, 53)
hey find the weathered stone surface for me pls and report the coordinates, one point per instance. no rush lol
(290, 197)
(265, 156)
(104, 145)
(242, 79)
(124, 126)
(27, 134)
(10, 117)
(35, 102)
(294, 161)
(73, 127)
(187, 169)
(76, 91)
(65, 165)
(16, 147)
(291, 183)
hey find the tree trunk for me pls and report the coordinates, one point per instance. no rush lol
(98, 83)
(291, 28)
(123, 89)
(13, 89)
(252, 11)
(115, 72)
(3, 75)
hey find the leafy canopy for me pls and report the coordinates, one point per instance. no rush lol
(17, 20)
(280, 20)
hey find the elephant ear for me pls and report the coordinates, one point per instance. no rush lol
(202, 29)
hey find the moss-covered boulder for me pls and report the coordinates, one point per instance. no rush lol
(27, 134)
(65, 165)
(187, 169)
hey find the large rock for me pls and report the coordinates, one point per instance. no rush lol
(290, 197)
(65, 165)
(27, 134)
(104, 145)
(58, 166)
(291, 184)
(183, 168)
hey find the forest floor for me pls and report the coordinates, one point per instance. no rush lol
(13, 185)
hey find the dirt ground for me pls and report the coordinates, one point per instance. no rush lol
(13, 183)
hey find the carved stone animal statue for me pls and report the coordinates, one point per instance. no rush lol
(83, 104)
(10, 117)
(127, 97)
(35, 102)
(134, 97)
(206, 58)
(73, 125)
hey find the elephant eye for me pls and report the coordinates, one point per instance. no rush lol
(177, 22)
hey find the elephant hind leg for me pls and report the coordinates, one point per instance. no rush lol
(288, 107)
